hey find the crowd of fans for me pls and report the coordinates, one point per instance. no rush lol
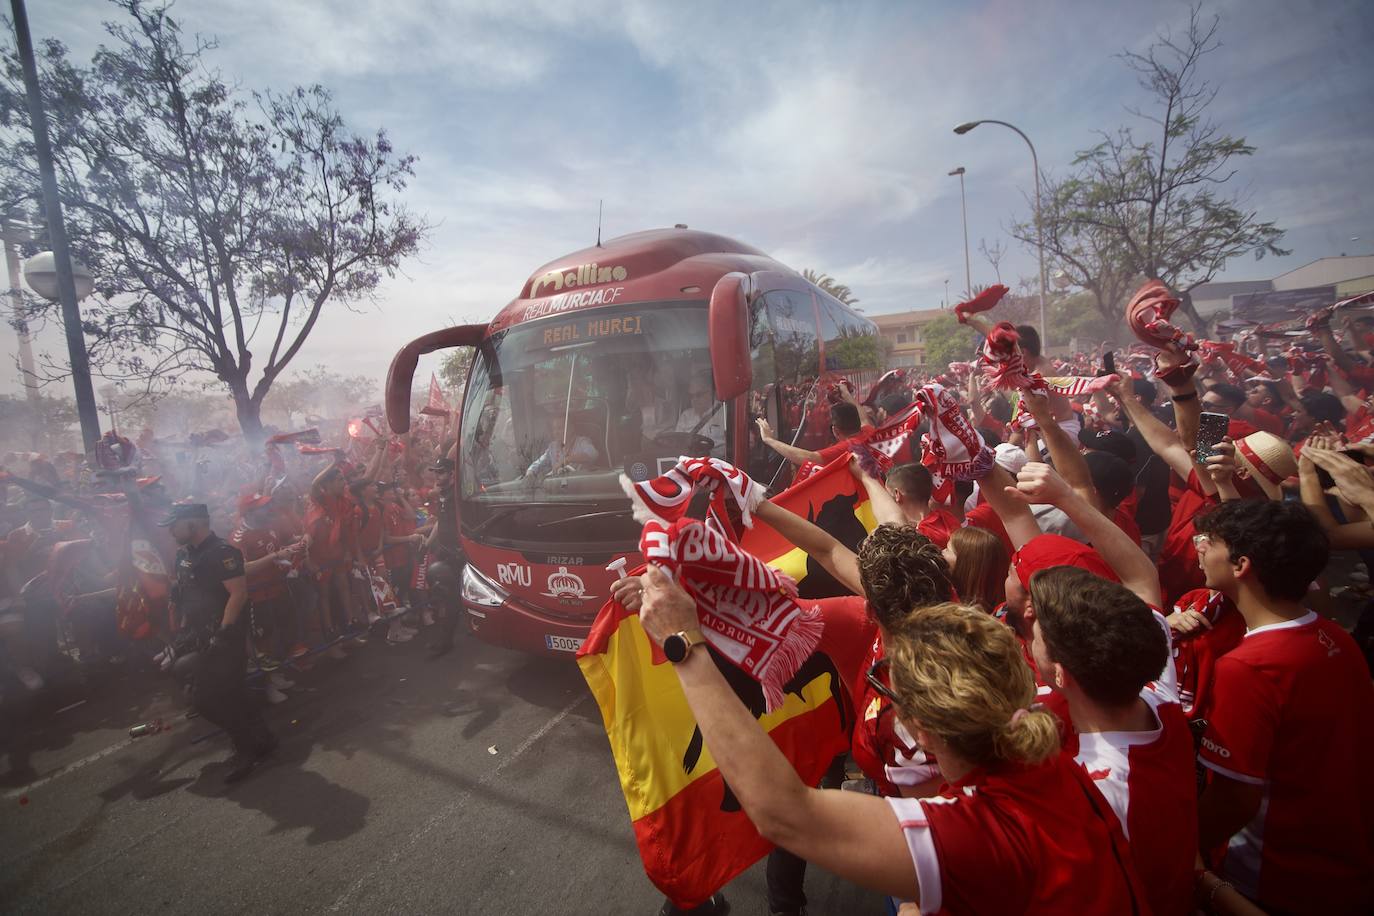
(1115, 673)
(1112, 673)
(337, 538)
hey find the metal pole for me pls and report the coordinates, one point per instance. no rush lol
(1039, 225)
(968, 271)
(26, 369)
(52, 207)
(1040, 244)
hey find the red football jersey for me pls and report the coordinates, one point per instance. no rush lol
(1292, 710)
(1178, 568)
(398, 523)
(1019, 839)
(881, 745)
(1149, 780)
(938, 525)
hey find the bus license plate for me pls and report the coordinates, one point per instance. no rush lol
(562, 643)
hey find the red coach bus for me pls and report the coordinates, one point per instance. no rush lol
(621, 358)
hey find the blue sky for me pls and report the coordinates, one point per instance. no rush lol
(818, 132)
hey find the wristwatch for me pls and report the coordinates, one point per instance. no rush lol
(677, 646)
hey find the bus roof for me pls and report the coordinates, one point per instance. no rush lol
(654, 265)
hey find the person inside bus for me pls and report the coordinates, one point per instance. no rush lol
(846, 424)
(704, 415)
(643, 396)
(560, 457)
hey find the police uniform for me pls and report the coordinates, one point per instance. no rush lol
(446, 555)
(219, 693)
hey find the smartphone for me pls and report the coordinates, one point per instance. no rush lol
(1211, 428)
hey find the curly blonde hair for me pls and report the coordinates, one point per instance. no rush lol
(960, 674)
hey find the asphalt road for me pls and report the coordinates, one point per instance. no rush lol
(481, 782)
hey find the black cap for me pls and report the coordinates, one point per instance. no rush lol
(181, 511)
(443, 466)
(1111, 476)
(1109, 441)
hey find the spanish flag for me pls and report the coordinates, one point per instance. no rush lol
(693, 837)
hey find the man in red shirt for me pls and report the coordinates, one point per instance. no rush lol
(1107, 653)
(846, 425)
(911, 486)
(1290, 735)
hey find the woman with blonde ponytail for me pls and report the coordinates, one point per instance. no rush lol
(1018, 827)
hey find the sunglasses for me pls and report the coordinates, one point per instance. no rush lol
(878, 677)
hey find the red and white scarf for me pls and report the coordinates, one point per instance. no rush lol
(1148, 313)
(952, 448)
(666, 498)
(1004, 366)
(748, 610)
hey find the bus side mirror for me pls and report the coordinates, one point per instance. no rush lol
(731, 368)
(402, 372)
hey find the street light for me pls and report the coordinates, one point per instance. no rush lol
(963, 208)
(1039, 228)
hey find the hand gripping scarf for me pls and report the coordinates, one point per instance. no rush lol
(1004, 366)
(666, 498)
(1237, 362)
(1148, 315)
(748, 610)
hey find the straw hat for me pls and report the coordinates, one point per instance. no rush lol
(1268, 460)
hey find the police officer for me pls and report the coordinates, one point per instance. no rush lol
(445, 559)
(211, 599)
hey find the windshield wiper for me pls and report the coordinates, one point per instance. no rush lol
(609, 513)
(499, 513)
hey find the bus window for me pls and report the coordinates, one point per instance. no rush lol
(796, 358)
(764, 398)
(583, 394)
(852, 348)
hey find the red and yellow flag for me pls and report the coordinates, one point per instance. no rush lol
(692, 836)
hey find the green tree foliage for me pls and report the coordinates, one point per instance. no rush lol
(1152, 200)
(856, 351)
(453, 372)
(947, 341)
(831, 286)
(219, 226)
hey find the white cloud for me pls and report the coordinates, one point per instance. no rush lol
(819, 133)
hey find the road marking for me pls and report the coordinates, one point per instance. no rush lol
(449, 810)
(70, 768)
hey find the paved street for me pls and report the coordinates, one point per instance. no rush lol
(478, 783)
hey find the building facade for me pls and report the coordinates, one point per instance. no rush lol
(902, 333)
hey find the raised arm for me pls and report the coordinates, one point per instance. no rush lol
(1038, 483)
(1015, 513)
(854, 835)
(834, 557)
(797, 456)
(1064, 453)
(885, 508)
(1162, 440)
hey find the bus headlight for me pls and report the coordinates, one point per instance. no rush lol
(480, 590)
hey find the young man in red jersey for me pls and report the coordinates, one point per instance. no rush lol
(1106, 652)
(1289, 807)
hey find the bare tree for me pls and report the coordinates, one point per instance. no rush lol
(219, 226)
(993, 255)
(1154, 203)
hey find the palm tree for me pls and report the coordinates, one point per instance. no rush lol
(831, 286)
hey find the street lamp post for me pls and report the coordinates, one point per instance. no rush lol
(1039, 227)
(963, 208)
(57, 231)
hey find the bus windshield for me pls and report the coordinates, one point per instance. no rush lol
(558, 407)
